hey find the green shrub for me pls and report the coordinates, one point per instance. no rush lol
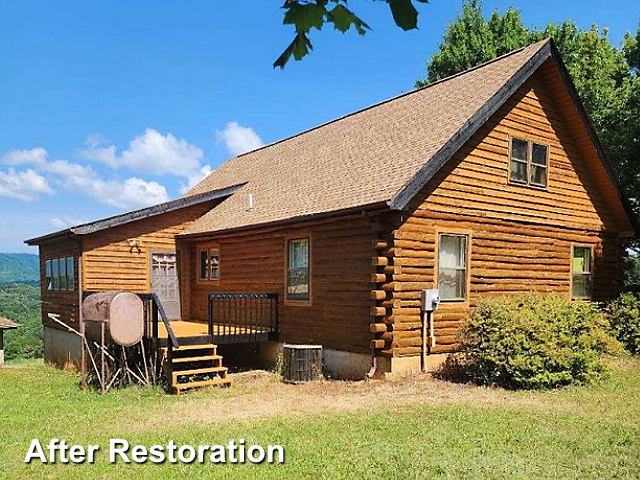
(533, 341)
(624, 318)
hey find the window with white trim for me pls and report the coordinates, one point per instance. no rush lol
(581, 284)
(452, 266)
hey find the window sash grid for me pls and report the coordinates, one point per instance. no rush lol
(453, 278)
(531, 167)
(298, 286)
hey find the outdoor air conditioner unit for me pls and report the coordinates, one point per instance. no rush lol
(301, 363)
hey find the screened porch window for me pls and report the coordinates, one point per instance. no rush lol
(452, 267)
(298, 287)
(209, 264)
(60, 274)
(581, 273)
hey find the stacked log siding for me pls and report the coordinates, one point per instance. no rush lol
(254, 262)
(111, 263)
(520, 237)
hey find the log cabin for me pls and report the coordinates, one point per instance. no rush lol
(489, 182)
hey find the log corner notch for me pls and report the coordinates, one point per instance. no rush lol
(382, 288)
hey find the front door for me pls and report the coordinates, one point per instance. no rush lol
(164, 282)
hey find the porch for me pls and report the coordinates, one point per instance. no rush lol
(190, 332)
(233, 318)
(188, 348)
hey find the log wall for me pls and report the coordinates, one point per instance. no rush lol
(110, 263)
(520, 237)
(338, 314)
(64, 304)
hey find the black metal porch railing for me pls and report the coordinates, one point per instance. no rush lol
(243, 317)
(154, 312)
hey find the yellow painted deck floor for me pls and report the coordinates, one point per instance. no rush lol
(184, 328)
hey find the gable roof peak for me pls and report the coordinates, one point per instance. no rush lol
(364, 158)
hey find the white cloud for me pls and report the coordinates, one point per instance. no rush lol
(152, 152)
(36, 156)
(133, 192)
(196, 178)
(66, 222)
(26, 185)
(238, 139)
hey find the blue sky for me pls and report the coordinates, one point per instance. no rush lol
(109, 106)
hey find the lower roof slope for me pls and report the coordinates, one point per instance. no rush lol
(6, 324)
(365, 158)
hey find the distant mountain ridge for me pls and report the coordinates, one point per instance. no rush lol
(19, 267)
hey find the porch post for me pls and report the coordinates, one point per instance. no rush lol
(1, 347)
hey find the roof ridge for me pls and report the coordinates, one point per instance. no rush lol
(383, 102)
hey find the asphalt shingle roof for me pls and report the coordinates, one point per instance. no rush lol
(361, 159)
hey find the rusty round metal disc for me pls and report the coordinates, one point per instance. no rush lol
(126, 322)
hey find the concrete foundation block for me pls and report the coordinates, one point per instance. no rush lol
(61, 348)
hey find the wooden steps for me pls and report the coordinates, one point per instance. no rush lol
(194, 366)
(197, 347)
(223, 382)
(196, 359)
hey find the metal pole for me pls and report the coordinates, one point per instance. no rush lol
(102, 366)
(424, 341)
(83, 352)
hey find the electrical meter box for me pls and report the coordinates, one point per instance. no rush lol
(430, 300)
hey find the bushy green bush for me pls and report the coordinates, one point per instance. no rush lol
(533, 341)
(624, 318)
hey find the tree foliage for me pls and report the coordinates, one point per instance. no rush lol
(531, 341)
(606, 77)
(306, 15)
(632, 271)
(19, 267)
(21, 303)
(624, 318)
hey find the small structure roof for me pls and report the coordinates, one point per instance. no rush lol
(6, 324)
(117, 220)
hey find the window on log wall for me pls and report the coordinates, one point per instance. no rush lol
(60, 274)
(529, 163)
(581, 272)
(452, 266)
(298, 282)
(209, 264)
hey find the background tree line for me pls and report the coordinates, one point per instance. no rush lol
(606, 76)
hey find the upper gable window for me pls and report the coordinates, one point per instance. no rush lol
(529, 163)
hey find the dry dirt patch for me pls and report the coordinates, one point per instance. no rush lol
(259, 394)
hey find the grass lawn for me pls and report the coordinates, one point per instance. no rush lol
(411, 428)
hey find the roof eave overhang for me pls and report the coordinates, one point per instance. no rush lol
(371, 207)
(403, 197)
(593, 135)
(123, 219)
